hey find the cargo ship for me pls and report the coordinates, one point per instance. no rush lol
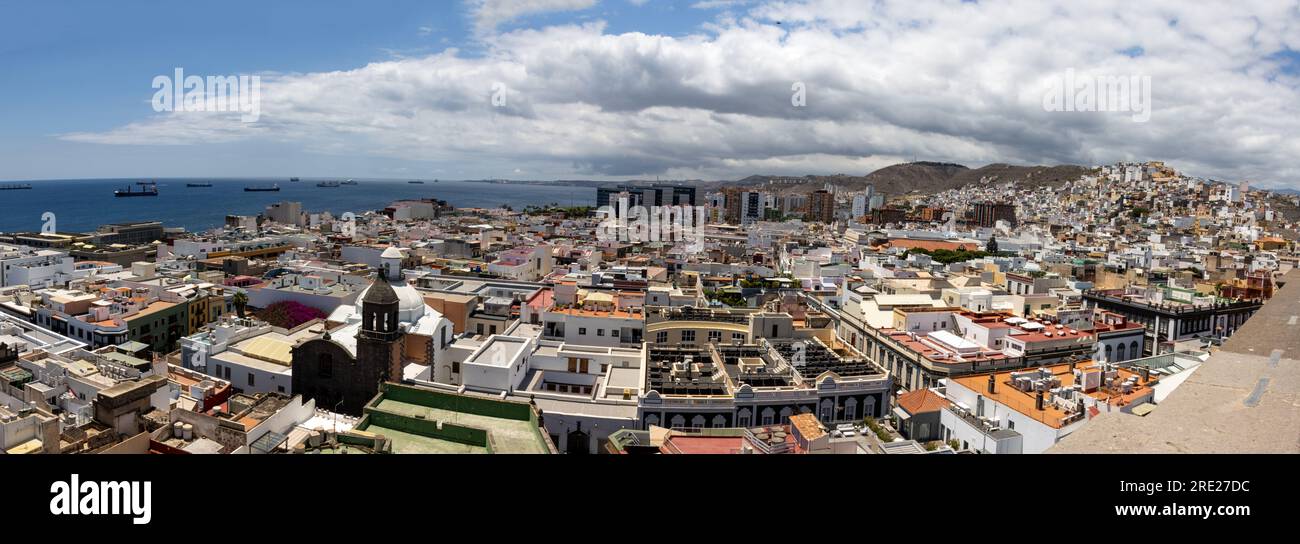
(15, 186)
(198, 184)
(272, 188)
(146, 189)
(328, 184)
(349, 182)
(295, 180)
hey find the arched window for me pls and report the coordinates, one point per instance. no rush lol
(1108, 350)
(1135, 350)
(1119, 353)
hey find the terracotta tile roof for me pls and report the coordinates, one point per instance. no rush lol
(808, 426)
(921, 401)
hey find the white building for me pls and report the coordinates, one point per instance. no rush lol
(21, 265)
(286, 213)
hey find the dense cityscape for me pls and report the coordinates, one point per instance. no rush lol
(996, 317)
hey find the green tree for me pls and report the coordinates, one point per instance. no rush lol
(241, 301)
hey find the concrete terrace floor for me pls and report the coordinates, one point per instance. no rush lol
(508, 435)
(1244, 399)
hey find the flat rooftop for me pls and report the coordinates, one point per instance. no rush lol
(500, 351)
(420, 420)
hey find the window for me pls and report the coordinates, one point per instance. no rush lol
(600, 332)
(688, 336)
(661, 337)
(715, 336)
(250, 379)
(573, 364)
(582, 331)
(479, 329)
(279, 388)
(738, 336)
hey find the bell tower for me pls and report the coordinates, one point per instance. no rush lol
(379, 342)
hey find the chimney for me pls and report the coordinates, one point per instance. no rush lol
(992, 385)
(1038, 401)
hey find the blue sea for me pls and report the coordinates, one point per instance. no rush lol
(83, 205)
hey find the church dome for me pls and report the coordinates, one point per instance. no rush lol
(410, 304)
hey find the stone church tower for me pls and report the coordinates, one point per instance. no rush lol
(379, 343)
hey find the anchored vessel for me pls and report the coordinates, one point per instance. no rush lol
(146, 189)
(262, 189)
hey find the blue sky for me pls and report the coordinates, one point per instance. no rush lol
(78, 65)
(617, 89)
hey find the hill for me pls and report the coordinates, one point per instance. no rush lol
(925, 177)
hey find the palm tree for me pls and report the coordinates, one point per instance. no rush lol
(240, 300)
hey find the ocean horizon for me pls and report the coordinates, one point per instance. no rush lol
(82, 205)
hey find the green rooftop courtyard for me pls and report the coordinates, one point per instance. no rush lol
(419, 420)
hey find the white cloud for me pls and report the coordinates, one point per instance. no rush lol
(488, 14)
(885, 81)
